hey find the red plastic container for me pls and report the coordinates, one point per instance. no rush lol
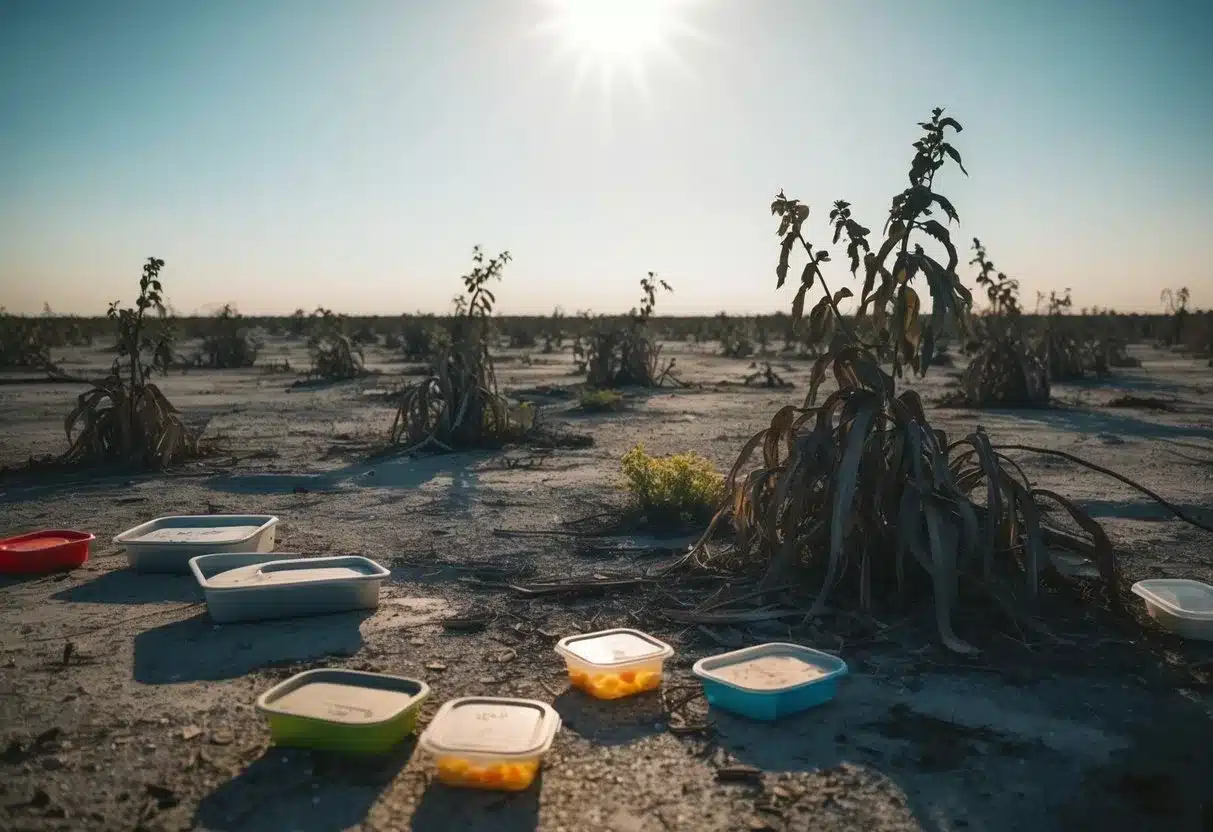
(53, 550)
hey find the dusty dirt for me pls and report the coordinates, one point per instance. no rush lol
(123, 706)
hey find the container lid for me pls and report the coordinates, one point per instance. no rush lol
(614, 647)
(343, 697)
(296, 571)
(1179, 596)
(770, 668)
(492, 726)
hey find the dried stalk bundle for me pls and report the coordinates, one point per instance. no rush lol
(862, 484)
(118, 424)
(1005, 374)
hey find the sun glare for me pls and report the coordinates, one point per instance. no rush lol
(609, 36)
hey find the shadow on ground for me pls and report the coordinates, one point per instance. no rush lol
(615, 722)
(443, 809)
(292, 789)
(389, 472)
(125, 586)
(198, 650)
(1095, 422)
(1126, 766)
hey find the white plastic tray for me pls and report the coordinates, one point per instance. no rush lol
(1181, 605)
(253, 587)
(167, 543)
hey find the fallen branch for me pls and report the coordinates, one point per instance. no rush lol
(1171, 507)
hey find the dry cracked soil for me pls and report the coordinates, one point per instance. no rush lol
(123, 706)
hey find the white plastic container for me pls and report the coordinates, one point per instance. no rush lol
(1181, 605)
(166, 544)
(489, 742)
(254, 587)
(612, 664)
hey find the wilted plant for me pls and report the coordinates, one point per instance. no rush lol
(861, 488)
(678, 488)
(124, 418)
(626, 354)
(335, 355)
(1176, 304)
(1005, 372)
(230, 342)
(458, 405)
(553, 333)
(734, 337)
(765, 376)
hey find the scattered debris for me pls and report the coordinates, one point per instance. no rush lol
(739, 774)
(435, 666)
(222, 736)
(189, 732)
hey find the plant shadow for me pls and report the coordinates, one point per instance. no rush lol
(125, 586)
(615, 722)
(196, 649)
(401, 472)
(443, 808)
(311, 791)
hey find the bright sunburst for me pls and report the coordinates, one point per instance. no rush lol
(612, 36)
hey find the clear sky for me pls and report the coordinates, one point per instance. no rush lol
(292, 153)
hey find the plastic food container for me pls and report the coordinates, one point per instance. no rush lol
(770, 681)
(612, 664)
(254, 587)
(167, 543)
(53, 550)
(490, 743)
(1181, 605)
(343, 710)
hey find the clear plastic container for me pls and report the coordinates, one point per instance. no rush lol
(1182, 606)
(489, 742)
(770, 681)
(343, 710)
(612, 664)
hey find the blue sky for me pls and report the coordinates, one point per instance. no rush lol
(291, 153)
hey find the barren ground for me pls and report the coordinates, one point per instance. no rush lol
(150, 724)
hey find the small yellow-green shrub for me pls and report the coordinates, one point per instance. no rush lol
(672, 488)
(596, 401)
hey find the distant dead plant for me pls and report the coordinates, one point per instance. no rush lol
(230, 341)
(335, 355)
(625, 353)
(125, 418)
(458, 405)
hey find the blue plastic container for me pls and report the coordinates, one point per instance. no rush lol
(770, 681)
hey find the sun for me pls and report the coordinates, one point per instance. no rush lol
(610, 36)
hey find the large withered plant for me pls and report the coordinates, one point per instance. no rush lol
(860, 489)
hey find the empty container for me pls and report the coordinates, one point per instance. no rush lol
(770, 681)
(253, 587)
(489, 742)
(53, 550)
(343, 710)
(167, 543)
(1181, 605)
(612, 664)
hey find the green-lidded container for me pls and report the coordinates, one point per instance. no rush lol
(343, 710)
